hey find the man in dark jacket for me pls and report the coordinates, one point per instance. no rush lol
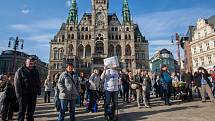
(125, 86)
(27, 86)
(188, 78)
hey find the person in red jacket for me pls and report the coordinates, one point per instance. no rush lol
(213, 81)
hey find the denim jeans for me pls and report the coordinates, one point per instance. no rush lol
(214, 88)
(64, 104)
(167, 92)
(110, 97)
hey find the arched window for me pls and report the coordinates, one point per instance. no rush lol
(118, 51)
(127, 28)
(82, 28)
(119, 37)
(110, 50)
(61, 53)
(112, 37)
(86, 29)
(71, 28)
(86, 37)
(128, 50)
(82, 37)
(126, 37)
(112, 29)
(116, 28)
(129, 37)
(89, 36)
(88, 51)
(99, 48)
(63, 37)
(71, 50)
(55, 54)
(72, 37)
(81, 51)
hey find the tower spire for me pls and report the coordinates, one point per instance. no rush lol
(126, 12)
(73, 13)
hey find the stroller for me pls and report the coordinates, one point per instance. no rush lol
(180, 91)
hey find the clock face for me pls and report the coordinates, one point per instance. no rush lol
(99, 17)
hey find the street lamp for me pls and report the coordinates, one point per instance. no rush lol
(14, 43)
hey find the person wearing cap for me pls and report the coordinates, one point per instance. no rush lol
(69, 89)
(27, 87)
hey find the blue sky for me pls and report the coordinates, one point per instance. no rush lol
(37, 21)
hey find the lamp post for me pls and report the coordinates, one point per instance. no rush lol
(15, 43)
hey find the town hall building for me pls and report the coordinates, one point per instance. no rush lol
(96, 36)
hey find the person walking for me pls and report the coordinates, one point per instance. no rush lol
(204, 84)
(125, 86)
(82, 81)
(110, 77)
(48, 88)
(146, 82)
(213, 81)
(166, 84)
(27, 86)
(69, 88)
(136, 85)
(187, 77)
(9, 103)
(94, 81)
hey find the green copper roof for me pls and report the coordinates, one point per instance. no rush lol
(73, 13)
(126, 12)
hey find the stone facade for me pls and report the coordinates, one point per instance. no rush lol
(203, 44)
(7, 60)
(96, 36)
(163, 57)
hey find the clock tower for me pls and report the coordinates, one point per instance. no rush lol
(100, 26)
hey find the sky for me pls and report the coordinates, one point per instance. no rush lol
(37, 21)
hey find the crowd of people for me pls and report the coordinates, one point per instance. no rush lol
(107, 87)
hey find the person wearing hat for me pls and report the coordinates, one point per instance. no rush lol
(69, 89)
(27, 87)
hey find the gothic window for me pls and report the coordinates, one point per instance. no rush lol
(82, 28)
(72, 37)
(89, 36)
(61, 53)
(80, 51)
(99, 48)
(111, 50)
(128, 50)
(63, 37)
(88, 51)
(86, 29)
(127, 28)
(117, 37)
(112, 37)
(112, 29)
(55, 54)
(126, 37)
(70, 50)
(116, 29)
(86, 37)
(82, 37)
(129, 37)
(118, 50)
(101, 38)
(71, 28)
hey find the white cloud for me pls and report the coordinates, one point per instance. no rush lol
(162, 24)
(40, 38)
(25, 11)
(38, 26)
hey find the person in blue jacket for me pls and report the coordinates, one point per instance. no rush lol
(166, 84)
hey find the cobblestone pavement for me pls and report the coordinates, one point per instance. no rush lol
(187, 111)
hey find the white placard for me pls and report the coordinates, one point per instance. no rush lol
(111, 62)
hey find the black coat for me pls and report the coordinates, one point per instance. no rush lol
(27, 82)
(198, 78)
